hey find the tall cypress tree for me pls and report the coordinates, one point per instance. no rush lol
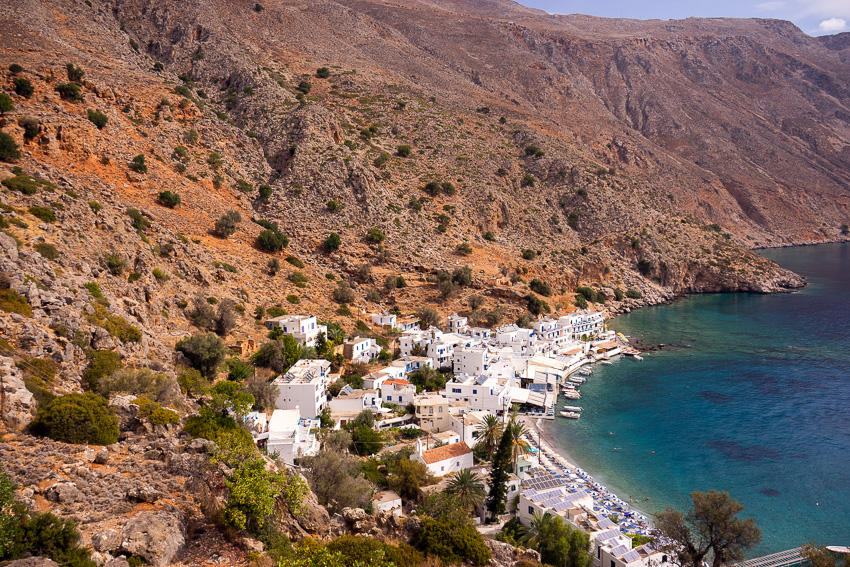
(499, 473)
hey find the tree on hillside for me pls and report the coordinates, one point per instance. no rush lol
(499, 473)
(711, 529)
(205, 352)
(227, 223)
(489, 432)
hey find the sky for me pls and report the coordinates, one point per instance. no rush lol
(815, 17)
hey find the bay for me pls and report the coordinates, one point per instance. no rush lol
(750, 396)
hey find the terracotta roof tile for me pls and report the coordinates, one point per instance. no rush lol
(445, 452)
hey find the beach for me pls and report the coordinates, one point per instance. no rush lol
(630, 519)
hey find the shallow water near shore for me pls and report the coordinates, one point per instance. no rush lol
(751, 396)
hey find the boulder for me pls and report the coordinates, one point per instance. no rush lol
(102, 456)
(63, 493)
(506, 555)
(117, 562)
(354, 514)
(106, 540)
(144, 494)
(157, 537)
(17, 405)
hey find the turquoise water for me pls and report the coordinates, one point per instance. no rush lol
(751, 396)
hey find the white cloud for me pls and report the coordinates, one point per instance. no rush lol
(833, 25)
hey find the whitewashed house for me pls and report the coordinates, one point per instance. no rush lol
(304, 386)
(356, 401)
(444, 460)
(361, 349)
(481, 392)
(387, 501)
(290, 437)
(304, 328)
(398, 391)
(456, 323)
(374, 380)
(413, 363)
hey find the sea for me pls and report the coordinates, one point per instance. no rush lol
(750, 395)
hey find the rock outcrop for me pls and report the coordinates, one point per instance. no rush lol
(17, 404)
(158, 537)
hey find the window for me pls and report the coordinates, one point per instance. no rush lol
(612, 563)
(598, 551)
(474, 391)
(530, 510)
(440, 409)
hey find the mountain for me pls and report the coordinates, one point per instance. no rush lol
(471, 155)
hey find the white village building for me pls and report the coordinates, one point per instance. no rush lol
(304, 328)
(444, 460)
(304, 386)
(290, 437)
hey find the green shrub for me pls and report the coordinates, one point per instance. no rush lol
(618, 293)
(272, 240)
(20, 182)
(95, 291)
(323, 72)
(244, 186)
(644, 266)
(74, 73)
(45, 214)
(95, 206)
(169, 199)
(332, 242)
(47, 250)
(115, 325)
(536, 305)
(368, 551)
(581, 301)
(404, 151)
(14, 68)
(103, 363)
(633, 294)
(452, 541)
(138, 164)
(333, 205)
(31, 127)
(488, 236)
(23, 87)
(205, 352)
(6, 104)
(463, 248)
(375, 235)
(528, 254)
(540, 287)
(155, 413)
(381, 159)
(304, 86)
(227, 223)
(265, 192)
(8, 148)
(114, 263)
(160, 275)
(527, 180)
(24, 533)
(134, 277)
(97, 118)
(293, 299)
(295, 261)
(69, 91)
(77, 418)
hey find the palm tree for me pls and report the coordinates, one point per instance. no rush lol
(489, 433)
(519, 446)
(467, 487)
(539, 525)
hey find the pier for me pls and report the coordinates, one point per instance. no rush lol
(790, 558)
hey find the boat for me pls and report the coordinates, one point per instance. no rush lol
(585, 371)
(577, 379)
(607, 362)
(570, 414)
(573, 395)
(573, 408)
(638, 357)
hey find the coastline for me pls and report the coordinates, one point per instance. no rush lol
(549, 445)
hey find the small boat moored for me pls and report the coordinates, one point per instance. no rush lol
(573, 408)
(570, 414)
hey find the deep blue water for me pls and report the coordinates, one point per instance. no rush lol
(751, 397)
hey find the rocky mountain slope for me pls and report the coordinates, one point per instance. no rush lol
(647, 157)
